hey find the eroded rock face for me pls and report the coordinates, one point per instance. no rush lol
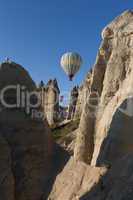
(73, 102)
(49, 95)
(116, 184)
(117, 86)
(112, 81)
(84, 182)
(25, 141)
(83, 92)
(104, 136)
(7, 180)
(25, 159)
(75, 180)
(119, 139)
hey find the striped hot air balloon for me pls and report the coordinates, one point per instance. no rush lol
(71, 62)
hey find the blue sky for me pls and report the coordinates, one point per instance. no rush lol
(35, 33)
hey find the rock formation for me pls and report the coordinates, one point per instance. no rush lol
(7, 181)
(111, 75)
(101, 167)
(73, 102)
(115, 184)
(115, 107)
(50, 101)
(104, 137)
(83, 92)
(25, 143)
(76, 179)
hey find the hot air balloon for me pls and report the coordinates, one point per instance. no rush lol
(71, 62)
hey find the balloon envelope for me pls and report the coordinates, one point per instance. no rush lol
(71, 62)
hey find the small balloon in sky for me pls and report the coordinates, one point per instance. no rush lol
(71, 63)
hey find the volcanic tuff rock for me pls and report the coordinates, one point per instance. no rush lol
(49, 95)
(79, 181)
(25, 143)
(104, 136)
(111, 85)
(83, 92)
(12, 73)
(114, 117)
(7, 181)
(73, 102)
(75, 180)
(116, 184)
(25, 161)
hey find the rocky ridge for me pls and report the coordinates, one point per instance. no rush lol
(26, 144)
(104, 137)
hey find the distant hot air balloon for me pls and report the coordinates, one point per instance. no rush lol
(71, 62)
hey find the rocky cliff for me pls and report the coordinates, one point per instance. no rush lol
(104, 137)
(26, 150)
(25, 142)
(111, 90)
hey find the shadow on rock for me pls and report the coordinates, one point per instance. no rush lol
(60, 158)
